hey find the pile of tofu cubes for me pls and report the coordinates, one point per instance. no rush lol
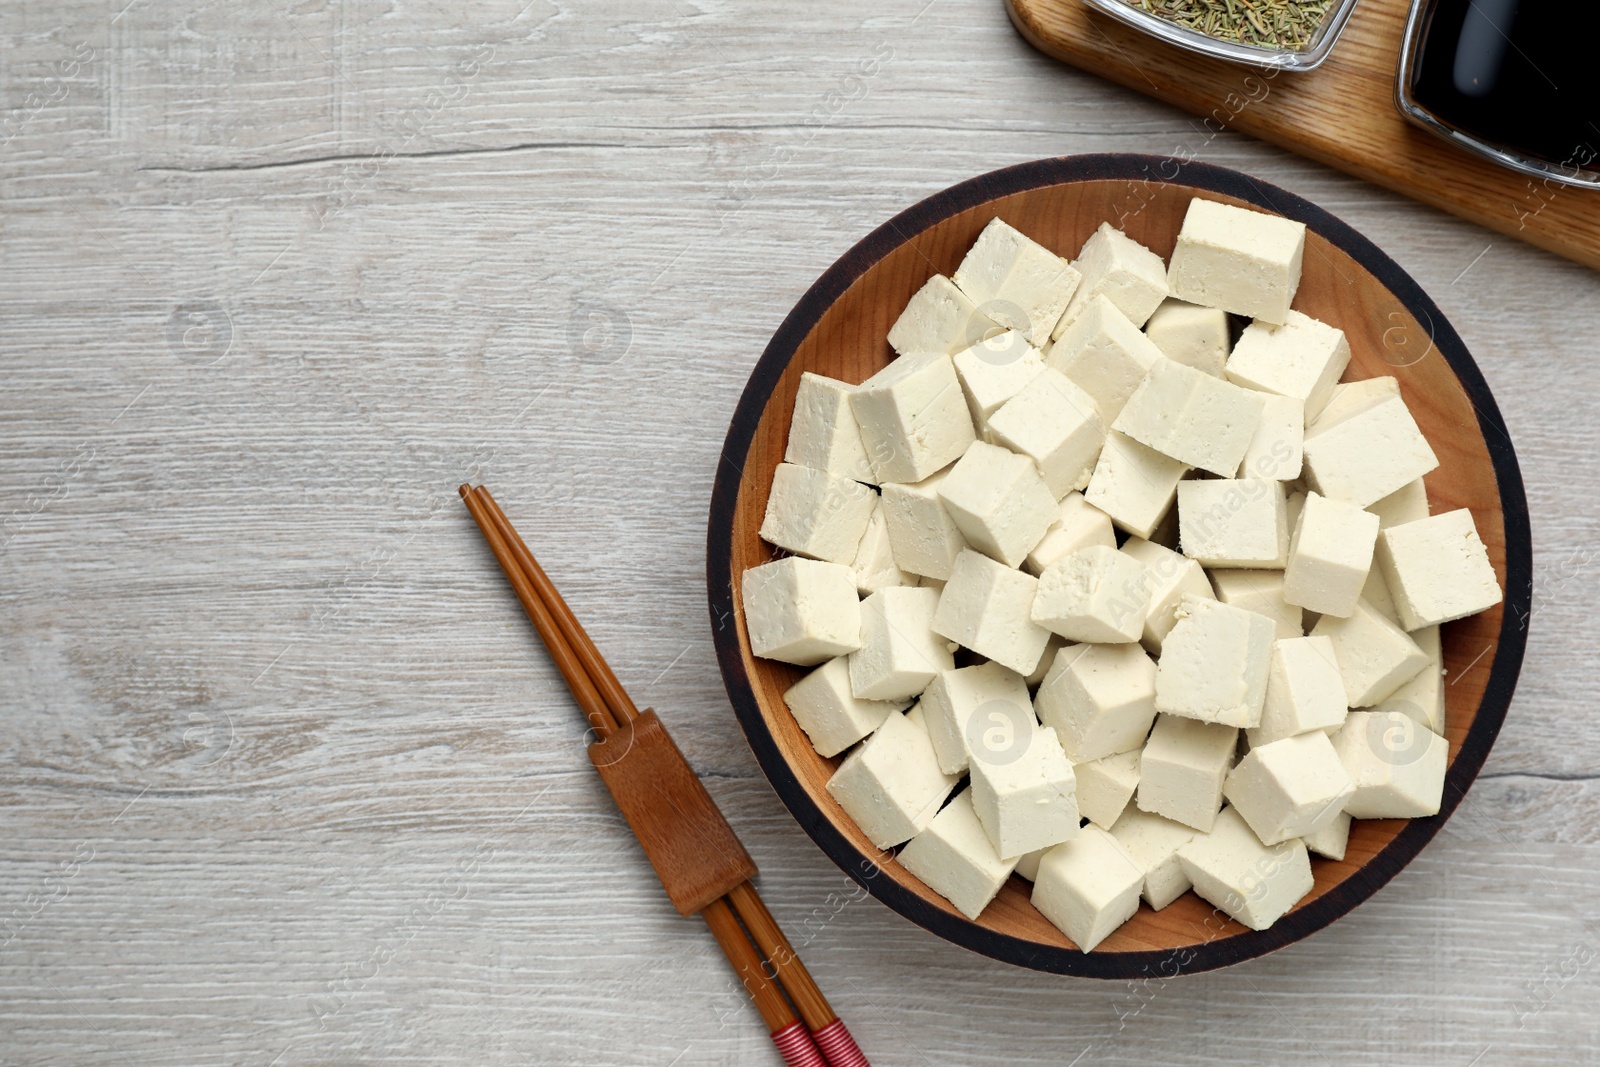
(1110, 555)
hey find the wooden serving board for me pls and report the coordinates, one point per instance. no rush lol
(1341, 114)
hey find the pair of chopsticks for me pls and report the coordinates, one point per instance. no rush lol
(649, 778)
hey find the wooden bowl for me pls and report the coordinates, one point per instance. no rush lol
(839, 329)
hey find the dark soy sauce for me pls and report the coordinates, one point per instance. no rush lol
(1516, 74)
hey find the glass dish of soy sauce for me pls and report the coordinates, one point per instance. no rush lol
(1514, 80)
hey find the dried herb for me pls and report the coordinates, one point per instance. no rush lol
(1281, 25)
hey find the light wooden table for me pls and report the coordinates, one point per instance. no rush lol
(286, 778)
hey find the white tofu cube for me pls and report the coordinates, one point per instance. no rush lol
(1437, 569)
(954, 858)
(1349, 398)
(1214, 664)
(1105, 354)
(1277, 449)
(913, 418)
(899, 653)
(1366, 457)
(1153, 842)
(1028, 864)
(969, 702)
(992, 371)
(1302, 358)
(1397, 764)
(1422, 698)
(829, 712)
(823, 434)
(1238, 260)
(1099, 699)
(1234, 522)
(988, 608)
(891, 787)
(1406, 504)
(1289, 788)
(1262, 593)
(1047, 660)
(1182, 770)
(923, 538)
(1134, 484)
(1094, 594)
(874, 567)
(1088, 886)
(817, 514)
(1172, 577)
(1330, 556)
(1305, 691)
(999, 502)
(1252, 883)
(1121, 270)
(1192, 335)
(1016, 281)
(1105, 786)
(1189, 415)
(939, 319)
(1056, 424)
(1375, 656)
(1078, 524)
(1331, 840)
(1025, 794)
(801, 611)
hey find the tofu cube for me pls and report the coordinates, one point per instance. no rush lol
(968, 702)
(1437, 569)
(1305, 691)
(1239, 260)
(1015, 281)
(1301, 358)
(954, 858)
(1252, 883)
(1278, 447)
(899, 653)
(874, 567)
(1234, 522)
(1330, 556)
(1053, 422)
(801, 611)
(1375, 656)
(1105, 354)
(1134, 484)
(1331, 840)
(1172, 577)
(992, 371)
(913, 418)
(1214, 664)
(1350, 398)
(1289, 788)
(939, 319)
(1192, 335)
(1117, 268)
(1025, 793)
(1088, 886)
(1099, 699)
(1046, 660)
(818, 514)
(1397, 764)
(1406, 504)
(923, 538)
(891, 787)
(1189, 415)
(830, 714)
(1094, 594)
(1153, 842)
(1105, 786)
(1028, 865)
(1422, 698)
(988, 608)
(1366, 457)
(823, 434)
(1182, 770)
(1262, 593)
(999, 502)
(1078, 524)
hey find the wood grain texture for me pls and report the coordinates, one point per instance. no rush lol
(1341, 113)
(282, 785)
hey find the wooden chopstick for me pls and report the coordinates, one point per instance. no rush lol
(769, 937)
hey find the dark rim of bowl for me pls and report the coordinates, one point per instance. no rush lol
(1134, 169)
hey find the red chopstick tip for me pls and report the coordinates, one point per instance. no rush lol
(838, 1047)
(796, 1047)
